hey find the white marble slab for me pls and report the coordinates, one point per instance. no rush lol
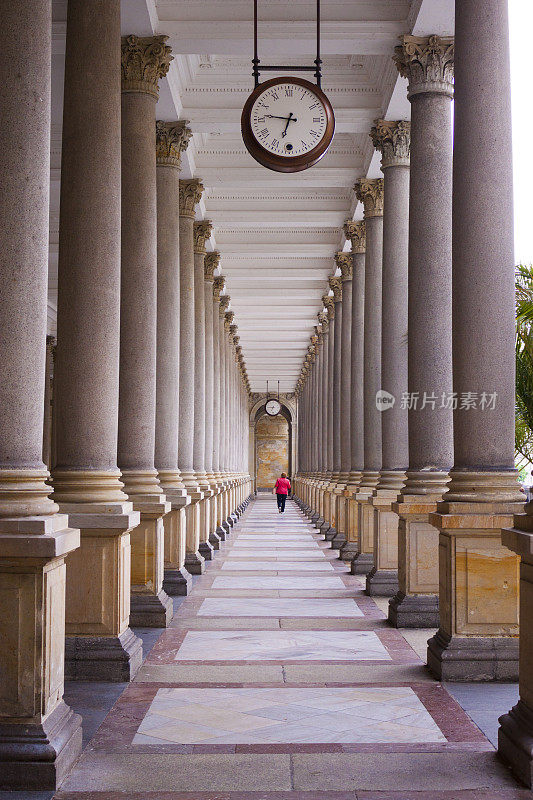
(277, 716)
(282, 646)
(279, 607)
(278, 582)
(275, 566)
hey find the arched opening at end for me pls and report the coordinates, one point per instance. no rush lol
(273, 447)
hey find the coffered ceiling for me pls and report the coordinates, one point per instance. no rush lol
(277, 233)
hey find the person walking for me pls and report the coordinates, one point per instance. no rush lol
(281, 490)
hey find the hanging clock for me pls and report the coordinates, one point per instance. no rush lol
(273, 407)
(287, 124)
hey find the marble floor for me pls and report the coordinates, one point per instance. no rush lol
(279, 679)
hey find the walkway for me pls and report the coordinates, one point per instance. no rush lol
(280, 680)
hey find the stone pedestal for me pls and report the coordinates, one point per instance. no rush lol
(416, 604)
(479, 578)
(176, 579)
(363, 561)
(382, 580)
(194, 561)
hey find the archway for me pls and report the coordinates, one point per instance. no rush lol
(272, 446)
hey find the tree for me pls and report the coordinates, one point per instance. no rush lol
(524, 364)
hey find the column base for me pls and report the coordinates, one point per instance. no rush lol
(324, 528)
(214, 539)
(382, 582)
(151, 610)
(414, 610)
(362, 563)
(38, 757)
(206, 550)
(515, 741)
(177, 582)
(221, 533)
(473, 658)
(195, 563)
(338, 541)
(226, 526)
(348, 551)
(103, 658)
(330, 534)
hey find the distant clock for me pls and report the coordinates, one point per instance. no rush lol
(287, 124)
(273, 407)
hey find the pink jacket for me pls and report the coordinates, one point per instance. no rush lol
(283, 486)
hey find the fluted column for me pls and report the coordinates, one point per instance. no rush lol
(344, 262)
(327, 529)
(190, 193)
(370, 193)
(428, 64)
(144, 62)
(201, 232)
(172, 139)
(40, 737)
(211, 262)
(350, 551)
(87, 486)
(323, 421)
(392, 139)
(483, 492)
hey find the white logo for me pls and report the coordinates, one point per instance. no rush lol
(384, 400)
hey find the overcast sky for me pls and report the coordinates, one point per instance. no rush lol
(521, 25)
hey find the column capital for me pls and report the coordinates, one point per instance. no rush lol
(172, 139)
(224, 304)
(393, 140)
(427, 63)
(218, 285)
(228, 319)
(335, 284)
(356, 233)
(145, 60)
(369, 191)
(329, 305)
(323, 321)
(211, 262)
(201, 233)
(344, 261)
(233, 328)
(190, 194)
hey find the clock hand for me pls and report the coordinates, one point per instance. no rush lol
(290, 118)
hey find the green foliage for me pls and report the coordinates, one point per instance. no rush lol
(524, 364)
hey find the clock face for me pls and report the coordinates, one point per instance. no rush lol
(288, 119)
(287, 124)
(272, 407)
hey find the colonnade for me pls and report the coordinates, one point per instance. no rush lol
(148, 456)
(426, 413)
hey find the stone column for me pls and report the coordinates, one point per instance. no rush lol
(478, 634)
(344, 262)
(392, 139)
(172, 139)
(327, 530)
(218, 407)
(428, 64)
(40, 736)
(335, 284)
(86, 480)
(355, 231)
(211, 262)
(323, 428)
(370, 193)
(201, 232)
(48, 380)
(144, 62)
(223, 307)
(190, 193)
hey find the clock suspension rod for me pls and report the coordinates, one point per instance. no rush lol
(316, 69)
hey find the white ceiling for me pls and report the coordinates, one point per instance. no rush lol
(277, 233)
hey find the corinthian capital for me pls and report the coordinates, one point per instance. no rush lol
(224, 303)
(211, 262)
(427, 63)
(323, 321)
(228, 319)
(172, 139)
(356, 233)
(145, 60)
(190, 194)
(218, 285)
(393, 140)
(335, 284)
(344, 261)
(369, 191)
(329, 305)
(201, 233)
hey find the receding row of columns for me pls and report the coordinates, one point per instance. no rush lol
(150, 393)
(425, 398)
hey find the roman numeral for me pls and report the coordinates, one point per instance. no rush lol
(315, 105)
(264, 132)
(288, 92)
(261, 119)
(304, 144)
(274, 143)
(314, 133)
(317, 119)
(274, 96)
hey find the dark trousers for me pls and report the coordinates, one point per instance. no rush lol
(281, 501)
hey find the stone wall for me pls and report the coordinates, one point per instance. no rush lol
(272, 450)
